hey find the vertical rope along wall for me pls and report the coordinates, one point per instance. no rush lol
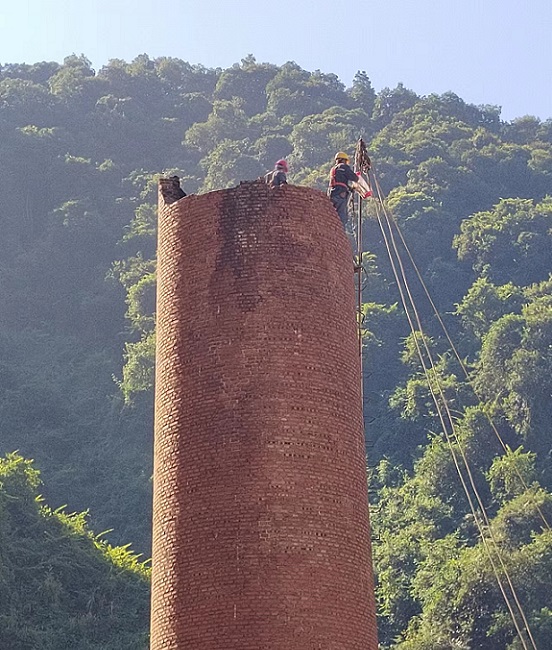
(261, 535)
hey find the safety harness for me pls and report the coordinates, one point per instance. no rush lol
(333, 182)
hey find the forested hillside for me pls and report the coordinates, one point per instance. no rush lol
(80, 153)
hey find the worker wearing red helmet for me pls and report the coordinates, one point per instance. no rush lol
(340, 186)
(278, 176)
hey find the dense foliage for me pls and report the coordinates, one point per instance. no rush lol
(80, 152)
(61, 586)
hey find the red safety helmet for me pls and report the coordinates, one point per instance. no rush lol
(283, 164)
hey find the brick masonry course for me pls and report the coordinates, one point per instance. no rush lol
(261, 536)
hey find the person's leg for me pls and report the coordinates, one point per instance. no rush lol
(340, 204)
(344, 212)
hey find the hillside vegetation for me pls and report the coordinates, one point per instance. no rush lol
(61, 586)
(80, 154)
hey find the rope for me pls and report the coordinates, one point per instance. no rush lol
(449, 436)
(505, 447)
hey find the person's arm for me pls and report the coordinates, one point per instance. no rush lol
(350, 174)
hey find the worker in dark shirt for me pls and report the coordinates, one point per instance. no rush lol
(176, 180)
(278, 176)
(340, 186)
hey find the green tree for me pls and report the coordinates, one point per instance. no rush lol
(294, 92)
(227, 121)
(316, 138)
(227, 164)
(362, 92)
(511, 242)
(485, 303)
(247, 81)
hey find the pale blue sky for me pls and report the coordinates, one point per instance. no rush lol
(486, 51)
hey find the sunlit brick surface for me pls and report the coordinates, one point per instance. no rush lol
(261, 536)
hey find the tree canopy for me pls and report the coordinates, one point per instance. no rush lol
(80, 153)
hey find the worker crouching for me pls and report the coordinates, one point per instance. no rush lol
(278, 176)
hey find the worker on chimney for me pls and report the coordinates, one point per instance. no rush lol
(340, 187)
(180, 192)
(278, 176)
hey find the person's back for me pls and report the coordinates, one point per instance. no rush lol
(180, 191)
(342, 176)
(278, 176)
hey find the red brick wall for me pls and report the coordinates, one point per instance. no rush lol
(261, 535)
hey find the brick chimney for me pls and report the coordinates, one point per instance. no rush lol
(261, 535)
